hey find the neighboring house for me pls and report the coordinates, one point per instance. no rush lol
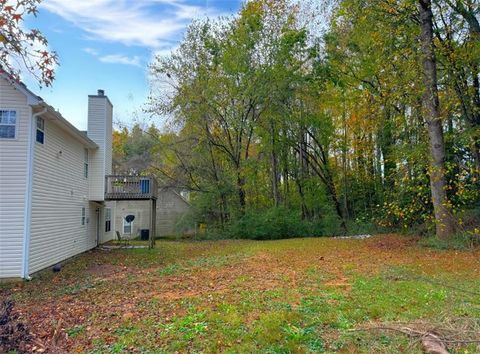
(172, 207)
(52, 181)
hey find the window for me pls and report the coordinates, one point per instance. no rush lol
(40, 130)
(85, 163)
(8, 124)
(84, 216)
(127, 227)
(108, 219)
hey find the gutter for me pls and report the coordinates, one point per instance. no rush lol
(67, 126)
(28, 194)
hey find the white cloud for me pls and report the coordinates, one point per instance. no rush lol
(114, 58)
(120, 59)
(131, 22)
(90, 51)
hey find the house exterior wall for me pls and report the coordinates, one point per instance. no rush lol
(170, 208)
(59, 192)
(140, 209)
(13, 183)
(43, 187)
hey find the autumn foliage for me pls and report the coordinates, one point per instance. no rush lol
(24, 49)
(338, 128)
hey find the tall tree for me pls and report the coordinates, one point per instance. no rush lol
(444, 221)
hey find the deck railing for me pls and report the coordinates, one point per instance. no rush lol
(130, 187)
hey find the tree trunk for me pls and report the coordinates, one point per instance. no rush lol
(476, 115)
(333, 195)
(241, 191)
(275, 173)
(386, 147)
(444, 221)
(303, 172)
(344, 163)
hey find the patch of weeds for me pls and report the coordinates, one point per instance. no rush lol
(374, 342)
(126, 337)
(242, 279)
(115, 348)
(171, 269)
(269, 328)
(202, 262)
(461, 241)
(212, 262)
(376, 298)
(226, 315)
(75, 331)
(186, 327)
(342, 322)
(125, 330)
(76, 288)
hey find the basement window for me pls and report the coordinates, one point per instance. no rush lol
(40, 136)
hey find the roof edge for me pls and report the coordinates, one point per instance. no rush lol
(35, 100)
(32, 98)
(70, 127)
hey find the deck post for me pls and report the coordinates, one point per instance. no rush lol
(154, 226)
(153, 219)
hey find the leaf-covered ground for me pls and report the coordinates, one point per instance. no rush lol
(298, 295)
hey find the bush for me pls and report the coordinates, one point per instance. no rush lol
(460, 241)
(281, 222)
(274, 223)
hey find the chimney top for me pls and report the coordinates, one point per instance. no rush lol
(100, 92)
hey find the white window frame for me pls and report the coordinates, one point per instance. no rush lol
(108, 217)
(16, 123)
(125, 223)
(86, 156)
(40, 119)
(83, 220)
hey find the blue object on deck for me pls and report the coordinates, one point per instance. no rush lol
(145, 186)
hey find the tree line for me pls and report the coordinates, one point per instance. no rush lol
(285, 120)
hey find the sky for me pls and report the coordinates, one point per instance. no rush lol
(108, 44)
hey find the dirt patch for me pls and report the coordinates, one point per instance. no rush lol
(392, 242)
(104, 270)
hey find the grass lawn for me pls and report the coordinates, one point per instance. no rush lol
(299, 295)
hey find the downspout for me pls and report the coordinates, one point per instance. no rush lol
(97, 210)
(28, 194)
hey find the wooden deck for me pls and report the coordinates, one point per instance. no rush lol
(130, 188)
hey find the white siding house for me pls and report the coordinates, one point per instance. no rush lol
(52, 181)
(14, 157)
